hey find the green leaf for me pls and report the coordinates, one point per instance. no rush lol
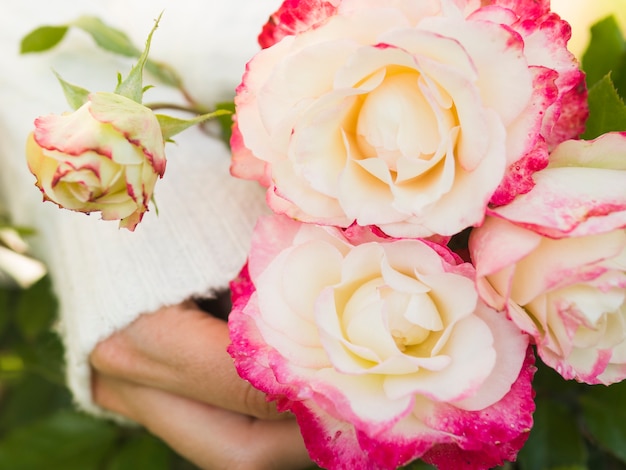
(116, 41)
(604, 415)
(42, 39)
(606, 51)
(4, 310)
(107, 37)
(65, 440)
(170, 126)
(30, 398)
(555, 440)
(164, 73)
(607, 112)
(226, 120)
(418, 465)
(142, 451)
(570, 467)
(43, 357)
(75, 95)
(36, 310)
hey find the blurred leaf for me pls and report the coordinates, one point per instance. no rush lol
(116, 41)
(419, 465)
(555, 440)
(571, 467)
(105, 36)
(607, 112)
(65, 440)
(142, 451)
(549, 384)
(42, 39)
(606, 53)
(44, 357)
(226, 120)
(4, 310)
(36, 310)
(604, 415)
(29, 399)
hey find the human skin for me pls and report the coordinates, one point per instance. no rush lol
(170, 372)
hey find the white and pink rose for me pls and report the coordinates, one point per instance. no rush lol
(381, 348)
(104, 157)
(409, 115)
(556, 258)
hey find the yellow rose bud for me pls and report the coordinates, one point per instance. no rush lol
(104, 157)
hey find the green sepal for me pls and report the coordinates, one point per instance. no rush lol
(76, 96)
(42, 39)
(607, 112)
(154, 203)
(132, 86)
(170, 126)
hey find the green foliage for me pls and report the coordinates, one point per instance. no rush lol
(105, 36)
(42, 39)
(141, 451)
(170, 126)
(39, 427)
(607, 112)
(64, 439)
(606, 54)
(555, 441)
(419, 465)
(604, 418)
(604, 63)
(226, 120)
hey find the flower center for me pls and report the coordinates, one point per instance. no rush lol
(409, 318)
(396, 120)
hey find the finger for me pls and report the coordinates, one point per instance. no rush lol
(210, 437)
(181, 350)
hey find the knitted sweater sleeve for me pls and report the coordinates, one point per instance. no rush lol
(105, 277)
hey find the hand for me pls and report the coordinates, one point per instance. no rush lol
(170, 372)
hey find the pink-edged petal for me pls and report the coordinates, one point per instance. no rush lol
(606, 152)
(498, 243)
(135, 122)
(244, 164)
(75, 133)
(504, 428)
(511, 345)
(294, 17)
(271, 235)
(523, 8)
(495, 247)
(564, 262)
(573, 196)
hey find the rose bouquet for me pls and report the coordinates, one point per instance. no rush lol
(385, 132)
(437, 219)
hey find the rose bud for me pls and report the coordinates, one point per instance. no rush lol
(104, 157)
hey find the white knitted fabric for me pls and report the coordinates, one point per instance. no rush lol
(105, 277)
